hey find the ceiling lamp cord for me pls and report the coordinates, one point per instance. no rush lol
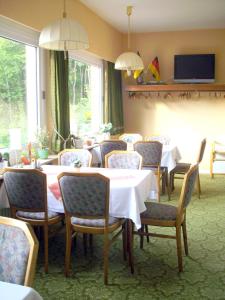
(129, 61)
(129, 12)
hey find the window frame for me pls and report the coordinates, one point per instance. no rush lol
(20, 33)
(85, 57)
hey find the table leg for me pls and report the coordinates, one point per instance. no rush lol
(130, 243)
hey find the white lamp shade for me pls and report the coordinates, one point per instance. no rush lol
(129, 61)
(64, 34)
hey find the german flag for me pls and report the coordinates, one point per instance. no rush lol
(137, 73)
(154, 68)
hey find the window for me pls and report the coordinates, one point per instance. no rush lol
(85, 93)
(18, 90)
(19, 78)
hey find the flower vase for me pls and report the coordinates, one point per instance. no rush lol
(43, 153)
(106, 136)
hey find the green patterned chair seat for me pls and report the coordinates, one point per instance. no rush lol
(93, 222)
(36, 215)
(159, 211)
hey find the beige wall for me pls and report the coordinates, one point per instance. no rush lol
(105, 41)
(186, 121)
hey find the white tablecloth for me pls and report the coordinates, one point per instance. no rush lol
(10, 291)
(170, 156)
(129, 189)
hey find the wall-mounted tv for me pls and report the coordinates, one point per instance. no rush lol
(194, 68)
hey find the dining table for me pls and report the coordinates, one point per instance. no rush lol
(129, 189)
(11, 291)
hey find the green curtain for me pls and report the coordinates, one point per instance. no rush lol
(59, 98)
(113, 100)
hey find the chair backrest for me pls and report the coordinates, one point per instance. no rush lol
(123, 160)
(151, 152)
(110, 145)
(26, 189)
(187, 188)
(131, 137)
(201, 151)
(85, 194)
(68, 156)
(18, 252)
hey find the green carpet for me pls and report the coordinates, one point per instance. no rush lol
(156, 273)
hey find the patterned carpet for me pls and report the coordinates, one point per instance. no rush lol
(156, 274)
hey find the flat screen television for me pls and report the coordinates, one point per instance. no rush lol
(194, 68)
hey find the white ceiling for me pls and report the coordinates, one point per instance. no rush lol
(161, 15)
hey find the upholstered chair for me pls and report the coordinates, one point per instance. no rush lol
(86, 203)
(67, 157)
(151, 152)
(182, 168)
(217, 155)
(18, 252)
(110, 145)
(123, 160)
(27, 194)
(164, 215)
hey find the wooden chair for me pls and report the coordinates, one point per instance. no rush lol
(27, 194)
(110, 145)
(182, 168)
(123, 160)
(164, 215)
(68, 156)
(217, 155)
(131, 137)
(151, 152)
(19, 250)
(86, 203)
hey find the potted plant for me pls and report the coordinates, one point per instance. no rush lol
(105, 130)
(42, 138)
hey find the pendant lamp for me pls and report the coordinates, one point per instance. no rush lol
(129, 61)
(64, 34)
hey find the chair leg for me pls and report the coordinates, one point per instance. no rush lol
(91, 242)
(106, 258)
(68, 248)
(158, 183)
(46, 246)
(179, 248)
(171, 183)
(85, 243)
(146, 230)
(141, 237)
(168, 186)
(198, 185)
(125, 241)
(184, 229)
(211, 167)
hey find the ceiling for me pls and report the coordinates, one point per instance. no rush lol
(161, 15)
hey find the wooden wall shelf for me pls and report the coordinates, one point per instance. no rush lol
(209, 87)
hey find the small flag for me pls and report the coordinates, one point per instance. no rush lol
(154, 68)
(137, 73)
